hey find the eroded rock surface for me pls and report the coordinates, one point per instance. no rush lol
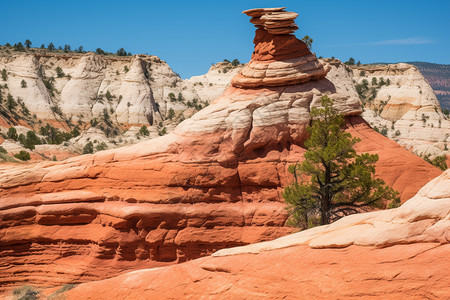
(214, 182)
(401, 252)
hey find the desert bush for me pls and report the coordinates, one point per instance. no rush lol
(88, 148)
(23, 155)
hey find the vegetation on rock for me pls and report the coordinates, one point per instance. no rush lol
(333, 181)
(22, 155)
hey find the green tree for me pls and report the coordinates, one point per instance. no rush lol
(144, 131)
(19, 47)
(350, 62)
(23, 83)
(75, 132)
(235, 62)
(4, 75)
(3, 150)
(102, 146)
(31, 140)
(333, 181)
(12, 133)
(59, 72)
(171, 114)
(22, 155)
(308, 41)
(172, 97)
(28, 44)
(10, 102)
(88, 148)
(121, 52)
(100, 51)
(374, 81)
(438, 161)
(51, 47)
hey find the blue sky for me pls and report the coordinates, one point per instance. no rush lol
(190, 35)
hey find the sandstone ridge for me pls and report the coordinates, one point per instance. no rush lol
(215, 182)
(402, 252)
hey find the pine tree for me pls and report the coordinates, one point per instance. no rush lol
(333, 181)
(308, 41)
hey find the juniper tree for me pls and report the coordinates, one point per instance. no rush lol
(333, 180)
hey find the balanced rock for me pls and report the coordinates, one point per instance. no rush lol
(279, 58)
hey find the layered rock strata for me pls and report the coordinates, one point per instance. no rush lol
(402, 252)
(279, 58)
(214, 182)
(404, 106)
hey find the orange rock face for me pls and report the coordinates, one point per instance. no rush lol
(393, 254)
(214, 183)
(417, 271)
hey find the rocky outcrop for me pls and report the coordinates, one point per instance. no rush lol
(24, 82)
(404, 106)
(279, 58)
(402, 252)
(214, 182)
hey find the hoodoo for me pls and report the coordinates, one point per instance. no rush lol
(213, 183)
(279, 58)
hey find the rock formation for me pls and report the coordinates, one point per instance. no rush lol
(35, 95)
(403, 104)
(214, 182)
(402, 253)
(279, 58)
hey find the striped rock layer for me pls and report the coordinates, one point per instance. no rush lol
(213, 183)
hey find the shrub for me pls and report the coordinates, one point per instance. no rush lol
(101, 146)
(100, 51)
(4, 75)
(88, 148)
(23, 84)
(144, 131)
(121, 52)
(171, 114)
(308, 41)
(162, 131)
(350, 61)
(172, 97)
(3, 150)
(22, 155)
(59, 72)
(12, 133)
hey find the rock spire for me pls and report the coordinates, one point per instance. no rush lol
(279, 58)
